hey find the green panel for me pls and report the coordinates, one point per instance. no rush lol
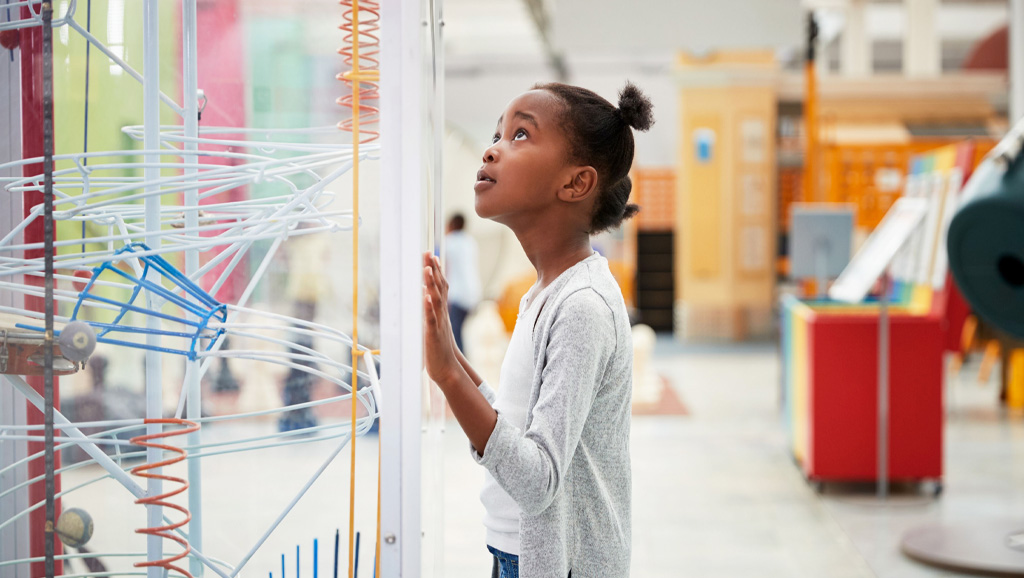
(115, 99)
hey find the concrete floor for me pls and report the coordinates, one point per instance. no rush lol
(716, 493)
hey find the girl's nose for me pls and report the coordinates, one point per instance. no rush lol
(491, 153)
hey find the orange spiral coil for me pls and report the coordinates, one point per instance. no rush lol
(362, 56)
(143, 471)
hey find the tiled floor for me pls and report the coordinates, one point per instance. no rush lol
(716, 494)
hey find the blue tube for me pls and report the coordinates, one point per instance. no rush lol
(355, 566)
(337, 534)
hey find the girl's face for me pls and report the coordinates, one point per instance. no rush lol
(523, 168)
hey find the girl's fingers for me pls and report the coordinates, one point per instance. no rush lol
(428, 310)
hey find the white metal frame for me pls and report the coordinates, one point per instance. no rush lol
(401, 296)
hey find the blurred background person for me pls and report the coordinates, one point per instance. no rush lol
(462, 273)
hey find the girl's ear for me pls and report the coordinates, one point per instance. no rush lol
(582, 184)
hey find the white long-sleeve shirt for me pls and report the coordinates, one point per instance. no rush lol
(568, 470)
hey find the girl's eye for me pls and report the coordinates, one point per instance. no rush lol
(495, 138)
(520, 133)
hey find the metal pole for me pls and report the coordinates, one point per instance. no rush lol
(193, 407)
(883, 388)
(1016, 61)
(151, 140)
(51, 505)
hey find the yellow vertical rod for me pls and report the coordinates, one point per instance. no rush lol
(355, 281)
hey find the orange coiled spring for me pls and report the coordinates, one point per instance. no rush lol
(363, 59)
(161, 500)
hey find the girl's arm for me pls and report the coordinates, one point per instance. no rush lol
(447, 366)
(473, 375)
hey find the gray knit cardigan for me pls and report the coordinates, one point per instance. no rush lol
(569, 471)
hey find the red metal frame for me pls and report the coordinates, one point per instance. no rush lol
(31, 45)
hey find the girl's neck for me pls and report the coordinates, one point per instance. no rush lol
(552, 252)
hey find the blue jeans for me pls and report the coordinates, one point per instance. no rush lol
(505, 565)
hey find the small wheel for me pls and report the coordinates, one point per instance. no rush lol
(937, 488)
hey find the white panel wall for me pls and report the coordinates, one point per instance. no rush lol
(13, 538)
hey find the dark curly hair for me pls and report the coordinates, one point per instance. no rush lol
(599, 135)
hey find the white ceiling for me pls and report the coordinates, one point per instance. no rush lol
(493, 51)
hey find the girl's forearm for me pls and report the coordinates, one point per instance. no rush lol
(471, 409)
(473, 375)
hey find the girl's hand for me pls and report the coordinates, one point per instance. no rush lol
(439, 340)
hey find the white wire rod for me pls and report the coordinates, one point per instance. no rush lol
(101, 458)
(236, 233)
(185, 234)
(362, 428)
(40, 477)
(36, 18)
(78, 424)
(39, 316)
(124, 65)
(204, 365)
(213, 129)
(169, 133)
(346, 437)
(64, 295)
(135, 422)
(75, 259)
(95, 283)
(360, 425)
(211, 211)
(314, 213)
(117, 194)
(73, 557)
(288, 508)
(28, 510)
(312, 325)
(269, 359)
(104, 461)
(39, 454)
(18, 437)
(363, 425)
(312, 353)
(338, 337)
(325, 361)
(94, 555)
(254, 160)
(89, 169)
(210, 563)
(343, 432)
(371, 368)
(32, 314)
(258, 165)
(236, 251)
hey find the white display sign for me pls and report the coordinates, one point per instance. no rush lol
(878, 251)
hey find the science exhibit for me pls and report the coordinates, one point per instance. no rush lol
(216, 339)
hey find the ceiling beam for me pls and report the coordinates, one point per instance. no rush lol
(541, 20)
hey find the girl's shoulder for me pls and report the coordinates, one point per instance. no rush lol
(589, 291)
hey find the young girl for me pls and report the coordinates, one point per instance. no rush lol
(555, 438)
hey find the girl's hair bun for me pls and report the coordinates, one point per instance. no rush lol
(635, 108)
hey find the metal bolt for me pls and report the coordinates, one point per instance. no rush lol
(389, 539)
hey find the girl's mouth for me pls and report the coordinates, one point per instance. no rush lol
(483, 181)
(481, 176)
